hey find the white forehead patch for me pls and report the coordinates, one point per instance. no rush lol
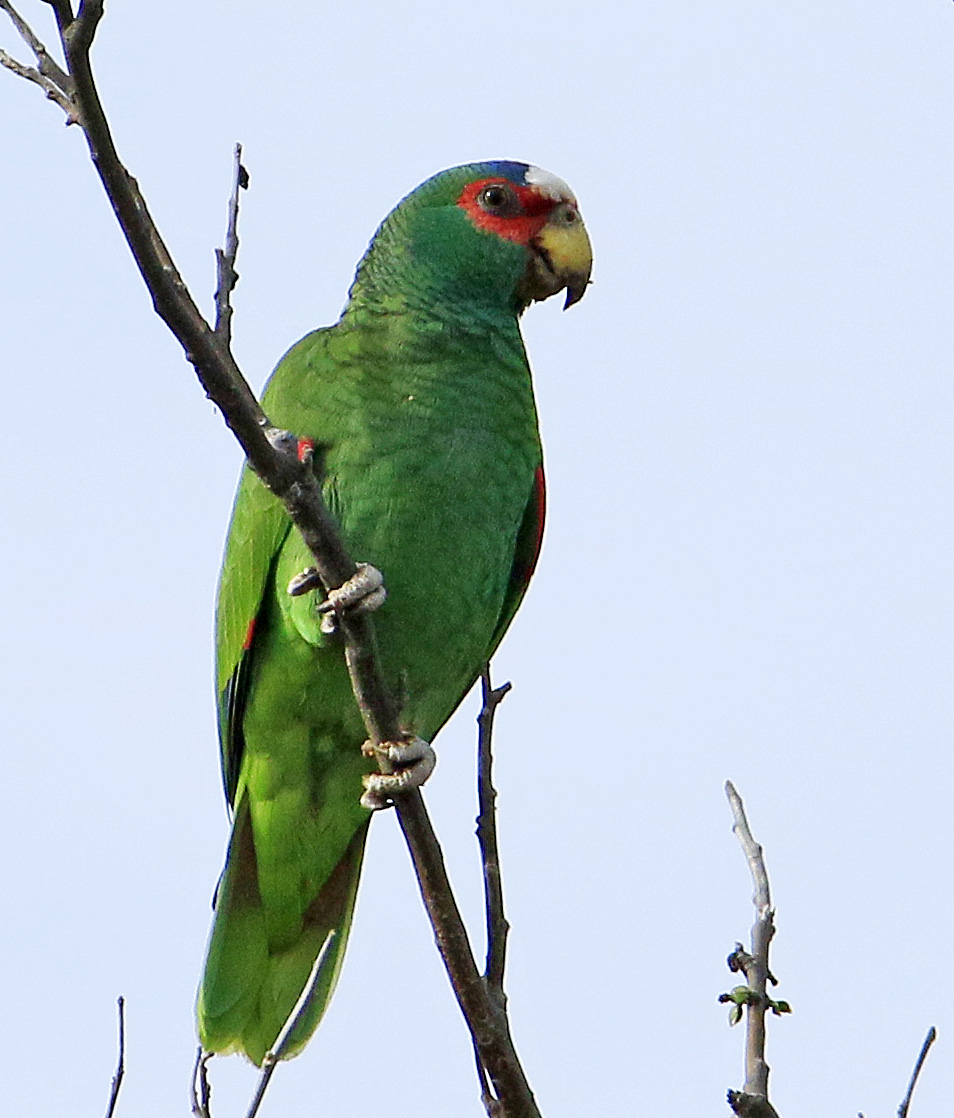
(549, 185)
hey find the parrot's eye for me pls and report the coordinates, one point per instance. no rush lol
(500, 200)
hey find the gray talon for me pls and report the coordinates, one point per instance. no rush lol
(306, 580)
(363, 592)
(415, 760)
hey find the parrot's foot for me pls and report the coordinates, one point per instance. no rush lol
(305, 581)
(363, 592)
(414, 760)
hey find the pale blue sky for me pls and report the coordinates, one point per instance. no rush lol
(747, 570)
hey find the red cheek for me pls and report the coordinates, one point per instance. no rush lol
(521, 228)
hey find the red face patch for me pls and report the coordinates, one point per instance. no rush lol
(519, 217)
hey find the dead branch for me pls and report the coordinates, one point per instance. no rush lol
(121, 1062)
(225, 258)
(922, 1056)
(497, 926)
(201, 1089)
(753, 999)
(496, 921)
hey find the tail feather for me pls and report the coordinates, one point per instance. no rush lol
(250, 993)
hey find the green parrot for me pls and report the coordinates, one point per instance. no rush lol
(417, 409)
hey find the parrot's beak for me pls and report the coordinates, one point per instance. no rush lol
(563, 256)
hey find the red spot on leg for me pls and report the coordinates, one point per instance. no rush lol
(305, 447)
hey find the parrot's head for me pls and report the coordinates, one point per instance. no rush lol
(496, 234)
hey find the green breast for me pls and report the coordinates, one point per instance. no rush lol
(431, 444)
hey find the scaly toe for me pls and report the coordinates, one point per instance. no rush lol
(304, 581)
(364, 591)
(415, 761)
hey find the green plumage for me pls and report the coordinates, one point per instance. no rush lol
(420, 406)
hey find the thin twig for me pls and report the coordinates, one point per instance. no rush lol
(50, 88)
(201, 1088)
(48, 74)
(753, 1099)
(273, 454)
(225, 258)
(268, 1070)
(496, 921)
(121, 1062)
(753, 852)
(48, 67)
(925, 1048)
(283, 1039)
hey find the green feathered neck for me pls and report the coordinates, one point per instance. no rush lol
(427, 254)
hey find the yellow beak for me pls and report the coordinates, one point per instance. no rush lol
(564, 250)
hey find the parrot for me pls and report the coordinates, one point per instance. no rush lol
(418, 414)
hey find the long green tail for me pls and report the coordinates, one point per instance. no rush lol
(249, 992)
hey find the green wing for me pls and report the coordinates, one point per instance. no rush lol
(258, 530)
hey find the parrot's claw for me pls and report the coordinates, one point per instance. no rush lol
(414, 760)
(306, 580)
(363, 592)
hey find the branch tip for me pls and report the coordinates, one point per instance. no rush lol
(121, 1062)
(753, 1102)
(919, 1064)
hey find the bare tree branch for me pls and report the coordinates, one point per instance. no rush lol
(496, 922)
(48, 75)
(752, 1102)
(922, 1056)
(268, 1070)
(63, 10)
(200, 1089)
(121, 1063)
(497, 926)
(274, 455)
(487, 1022)
(53, 92)
(270, 1062)
(47, 66)
(225, 258)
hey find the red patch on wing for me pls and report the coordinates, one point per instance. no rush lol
(249, 636)
(540, 496)
(529, 548)
(522, 227)
(305, 447)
